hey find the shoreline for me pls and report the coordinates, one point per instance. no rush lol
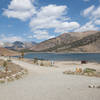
(53, 60)
(57, 61)
(66, 52)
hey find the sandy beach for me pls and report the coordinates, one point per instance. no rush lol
(49, 83)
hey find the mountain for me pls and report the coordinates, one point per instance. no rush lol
(67, 42)
(18, 45)
(6, 52)
(29, 44)
(71, 42)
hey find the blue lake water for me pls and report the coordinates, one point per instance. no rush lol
(65, 56)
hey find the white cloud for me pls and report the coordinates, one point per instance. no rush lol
(87, 27)
(97, 22)
(52, 11)
(48, 17)
(21, 9)
(20, 4)
(42, 34)
(96, 13)
(93, 14)
(30, 36)
(4, 38)
(51, 17)
(65, 26)
(88, 10)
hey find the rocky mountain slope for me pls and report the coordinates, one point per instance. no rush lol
(71, 42)
(86, 44)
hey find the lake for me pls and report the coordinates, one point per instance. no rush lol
(65, 56)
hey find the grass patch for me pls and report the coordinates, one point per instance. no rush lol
(89, 70)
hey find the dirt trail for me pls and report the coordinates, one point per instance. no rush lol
(46, 83)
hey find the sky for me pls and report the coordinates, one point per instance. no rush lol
(39, 20)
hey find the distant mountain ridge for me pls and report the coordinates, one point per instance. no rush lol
(18, 45)
(71, 42)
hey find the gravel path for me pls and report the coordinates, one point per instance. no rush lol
(45, 83)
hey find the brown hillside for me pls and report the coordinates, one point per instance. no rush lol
(6, 52)
(63, 39)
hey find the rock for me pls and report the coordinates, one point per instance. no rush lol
(90, 74)
(91, 86)
(86, 74)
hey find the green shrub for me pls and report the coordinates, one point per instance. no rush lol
(5, 65)
(35, 60)
(10, 79)
(41, 64)
(8, 60)
(89, 70)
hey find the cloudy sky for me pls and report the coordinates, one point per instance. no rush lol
(39, 20)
